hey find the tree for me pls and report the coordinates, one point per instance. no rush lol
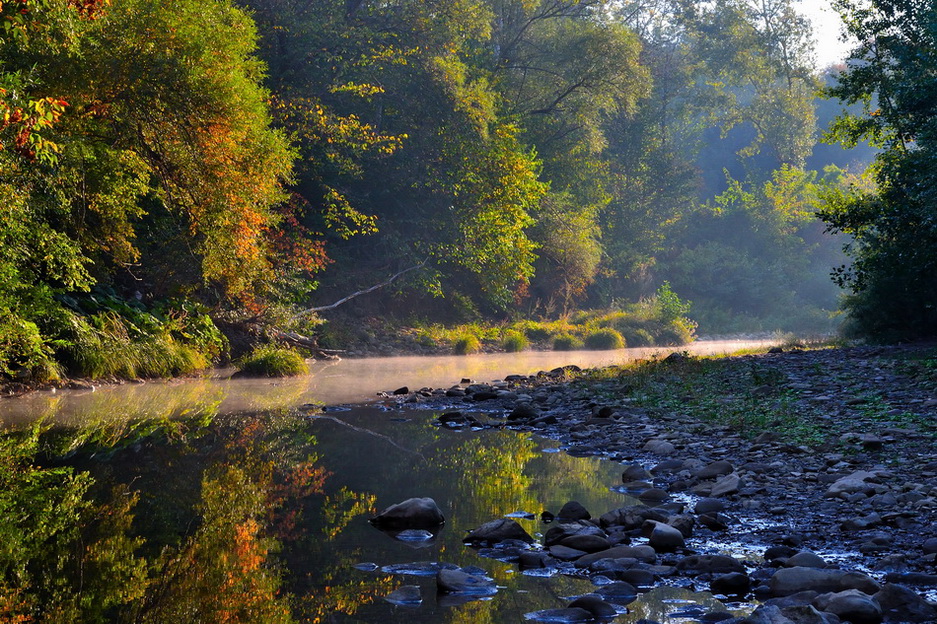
(895, 226)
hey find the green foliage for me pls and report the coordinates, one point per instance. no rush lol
(566, 342)
(466, 345)
(893, 226)
(514, 341)
(273, 361)
(604, 339)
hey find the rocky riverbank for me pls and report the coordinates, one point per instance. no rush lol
(805, 480)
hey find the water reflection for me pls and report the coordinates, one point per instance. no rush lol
(262, 517)
(329, 383)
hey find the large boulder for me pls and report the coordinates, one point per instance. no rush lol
(789, 581)
(851, 606)
(900, 604)
(498, 531)
(663, 537)
(413, 513)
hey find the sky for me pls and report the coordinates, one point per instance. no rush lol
(826, 27)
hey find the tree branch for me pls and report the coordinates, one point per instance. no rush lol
(362, 292)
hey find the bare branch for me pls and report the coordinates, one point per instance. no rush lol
(362, 292)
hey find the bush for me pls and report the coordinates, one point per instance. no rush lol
(273, 361)
(464, 345)
(566, 342)
(637, 337)
(514, 341)
(605, 339)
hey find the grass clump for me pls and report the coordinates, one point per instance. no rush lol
(605, 339)
(465, 345)
(514, 341)
(273, 361)
(566, 342)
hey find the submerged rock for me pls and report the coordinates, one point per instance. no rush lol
(406, 595)
(461, 582)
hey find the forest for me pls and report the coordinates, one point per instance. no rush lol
(173, 172)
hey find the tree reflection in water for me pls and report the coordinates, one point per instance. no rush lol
(162, 521)
(241, 519)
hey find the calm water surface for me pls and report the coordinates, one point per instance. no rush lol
(328, 383)
(357, 460)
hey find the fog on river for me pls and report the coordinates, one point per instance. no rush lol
(328, 383)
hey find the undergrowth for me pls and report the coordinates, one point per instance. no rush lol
(735, 392)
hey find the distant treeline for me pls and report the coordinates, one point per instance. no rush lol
(533, 156)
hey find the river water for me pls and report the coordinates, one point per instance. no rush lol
(358, 456)
(328, 383)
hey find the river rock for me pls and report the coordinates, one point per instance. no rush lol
(641, 553)
(683, 523)
(663, 537)
(461, 582)
(586, 543)
(594, 605)
(852, 484)
(561, 531)
(413, 513)
(457, 419)
(498, 531)
(851, 605)
(929, 546)
(806, 614)
(709, 505)
(406, 595)
(618, 592)
(523, 411)
(714, 521)
(805, 559)
(565, 553)
(532, 559)
(726, 485)
(709, 564)
(631, 517)
(916, 579)
(718, 468)
(659, 447)
(573, 510)
(788, 581)
(900, 604)
(732, 584)
(634, 472)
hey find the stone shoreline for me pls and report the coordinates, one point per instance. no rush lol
(859, 501)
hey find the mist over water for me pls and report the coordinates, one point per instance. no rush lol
(328, 383)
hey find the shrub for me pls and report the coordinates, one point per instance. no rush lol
(637, 337)
(566, 342)
(514, 341)
(273, 361)
(466, 344)
(605, 339)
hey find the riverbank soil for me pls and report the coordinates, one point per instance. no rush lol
(791, 462)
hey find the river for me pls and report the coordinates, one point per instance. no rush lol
(328, 383)
(228, 454)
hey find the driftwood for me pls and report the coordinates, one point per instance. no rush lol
(305, 342)
(361, 292)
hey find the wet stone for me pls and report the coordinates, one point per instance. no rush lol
(406, 595)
